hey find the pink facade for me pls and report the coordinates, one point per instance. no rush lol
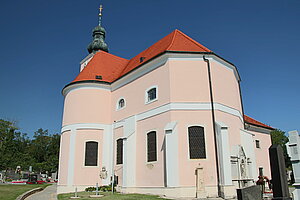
(182, 101)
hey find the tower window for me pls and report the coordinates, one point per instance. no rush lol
(91, 153)
(151, 95)
(151, 147)
(196, 142)
(121, 104)
(119, 151)
(257, 143)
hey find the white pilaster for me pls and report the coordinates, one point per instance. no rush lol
(107, 152)
(71, 157)
(224, 154)
(129, 152)
(171, 148)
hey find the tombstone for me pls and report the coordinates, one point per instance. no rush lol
(293, 149)
(249, 193)
(278, 171)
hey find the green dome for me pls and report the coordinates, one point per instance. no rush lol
(98, 42)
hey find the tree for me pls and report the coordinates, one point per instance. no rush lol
(17, 149)
(279, 137)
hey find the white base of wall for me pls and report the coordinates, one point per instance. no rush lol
(171, 192)
(68, 189)
(228, 191)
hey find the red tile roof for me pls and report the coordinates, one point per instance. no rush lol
(111, 67)
(102, 64)
(252, 121)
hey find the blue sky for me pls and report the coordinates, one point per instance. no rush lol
(42, 43)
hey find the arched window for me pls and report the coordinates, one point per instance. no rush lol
(196, 142)
(151, 147)
(151, 94)
(91, 154)
(120, 151)
(121, 103)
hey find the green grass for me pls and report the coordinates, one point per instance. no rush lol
(110, 196)
(11, 192)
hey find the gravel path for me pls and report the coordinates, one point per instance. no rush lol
(49, 193)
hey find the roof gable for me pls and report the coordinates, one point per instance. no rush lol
(112, 67)
(175, 41)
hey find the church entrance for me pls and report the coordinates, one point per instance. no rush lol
(200, 192)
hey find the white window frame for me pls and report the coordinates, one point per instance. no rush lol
(187, 140)
(117, 105)
(84, 149)
(151, 162)
(147, 101)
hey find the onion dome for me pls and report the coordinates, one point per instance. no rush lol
(98, 42)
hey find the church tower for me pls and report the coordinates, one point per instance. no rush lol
(86, 127)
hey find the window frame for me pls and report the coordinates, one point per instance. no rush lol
(118, 104)
(257, 144)
(84, 153)
(147, 101)
(122, 151)
(147, 153)
(188, 142)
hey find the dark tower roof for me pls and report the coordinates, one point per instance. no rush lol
(99, 32)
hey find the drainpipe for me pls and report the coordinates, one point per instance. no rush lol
(214, 123)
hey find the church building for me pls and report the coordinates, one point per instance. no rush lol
(169, 121)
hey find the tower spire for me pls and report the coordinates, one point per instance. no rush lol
(99, 32)
(100, 14)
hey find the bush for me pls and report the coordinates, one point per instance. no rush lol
(104, 188)
(90, 189)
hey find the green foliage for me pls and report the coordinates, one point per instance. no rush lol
(279, 137)
(16, 149)
(104, 188)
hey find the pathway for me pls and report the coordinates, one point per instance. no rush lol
(49, 193)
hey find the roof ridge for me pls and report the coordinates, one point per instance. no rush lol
(194, 41)
(173, 38)
(110, 55)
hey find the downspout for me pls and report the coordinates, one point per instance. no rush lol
(214, 123)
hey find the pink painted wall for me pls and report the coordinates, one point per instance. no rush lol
(64, 158)
(87, 175)
(225, 86)
(188, 166)
(188, 81)
(118, 133)
(134, 93)
(151, 173)
(262, 153)
(87, 106)
(234, 124)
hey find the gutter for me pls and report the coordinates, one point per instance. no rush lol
(214, 124)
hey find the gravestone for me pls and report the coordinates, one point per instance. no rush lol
(249, 193)
(293, 149)
(278, 171)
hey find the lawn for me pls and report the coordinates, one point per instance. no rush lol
(110, 196)
(11, 192)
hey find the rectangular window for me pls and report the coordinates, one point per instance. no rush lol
(119, 151)
(91, 153)
(196, 142)
(152, 94)
(151, 147)
(257, 143)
